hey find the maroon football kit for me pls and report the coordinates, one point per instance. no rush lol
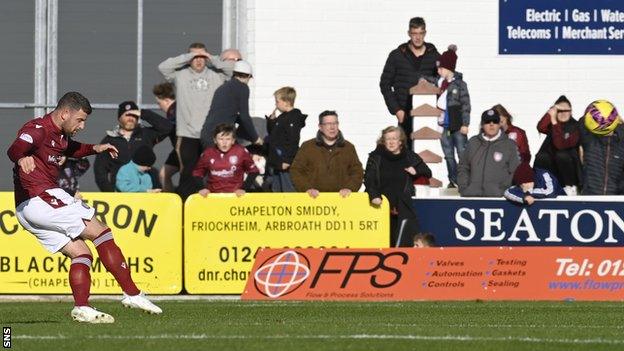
(46, 143)
(225, 170)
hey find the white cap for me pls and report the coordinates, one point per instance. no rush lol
(242, 66)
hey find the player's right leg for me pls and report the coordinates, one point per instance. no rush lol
(80, 282)
(113, 259)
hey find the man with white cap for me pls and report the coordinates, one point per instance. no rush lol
(231, 105)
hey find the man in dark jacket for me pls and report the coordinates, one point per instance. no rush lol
(231, 105)
(602, 137)
(487, 165)
(127, 136)
(405, 66)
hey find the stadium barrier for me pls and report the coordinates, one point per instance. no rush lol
(223, 232)
(486, 273)
(565, 221)
(148, 228)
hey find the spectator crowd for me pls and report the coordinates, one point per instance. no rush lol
(215, 146)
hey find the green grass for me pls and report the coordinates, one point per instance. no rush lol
(238, 325)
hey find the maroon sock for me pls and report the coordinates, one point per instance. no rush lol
(80, 279)
(114, 261)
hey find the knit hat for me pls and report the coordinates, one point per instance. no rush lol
(144, 156)
(128, 106)
(448, 59)
(563, 98)
(490, 116)
(524, 174)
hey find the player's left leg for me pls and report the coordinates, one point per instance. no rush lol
(80, 282)
(113, 259)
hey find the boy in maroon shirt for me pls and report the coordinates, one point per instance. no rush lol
(225, 163)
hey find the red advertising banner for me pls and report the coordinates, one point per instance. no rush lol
(505, 273)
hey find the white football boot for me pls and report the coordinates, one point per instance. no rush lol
(89, 314)
(140, 301)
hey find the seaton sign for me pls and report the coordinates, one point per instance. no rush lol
(566, 221)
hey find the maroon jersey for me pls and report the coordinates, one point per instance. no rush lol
(46, 143)
(519, 136)
(225, 170)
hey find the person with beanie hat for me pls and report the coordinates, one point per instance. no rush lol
(127, 136)
(559, 153)
(454, 101)
(531, 184)
(133, 177)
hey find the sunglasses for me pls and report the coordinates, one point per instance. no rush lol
(491, 121)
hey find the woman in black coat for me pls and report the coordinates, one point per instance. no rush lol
(390, 171)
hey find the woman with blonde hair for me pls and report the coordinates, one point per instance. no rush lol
(390, 171)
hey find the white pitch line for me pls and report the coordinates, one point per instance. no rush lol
(460, 338)
(430, 325)
(541, 326)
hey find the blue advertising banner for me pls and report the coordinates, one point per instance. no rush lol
(561, 27)
(497, 222)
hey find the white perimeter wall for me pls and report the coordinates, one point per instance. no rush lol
(333, 53)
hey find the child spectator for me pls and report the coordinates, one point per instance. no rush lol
(559, 153)
(424, 240)
(283, 141)
(454, 101)
(257, 183)
(518, 135)
(225, 163)
(133, 177)
(532, 184)
(71, 170)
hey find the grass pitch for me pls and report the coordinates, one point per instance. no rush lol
(238, 325)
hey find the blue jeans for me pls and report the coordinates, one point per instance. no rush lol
(451, 143)
(281, 183)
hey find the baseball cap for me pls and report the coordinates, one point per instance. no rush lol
(490, 116)
(242, 66)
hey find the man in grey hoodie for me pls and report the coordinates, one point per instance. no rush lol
(487, 165)
(196, 76)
